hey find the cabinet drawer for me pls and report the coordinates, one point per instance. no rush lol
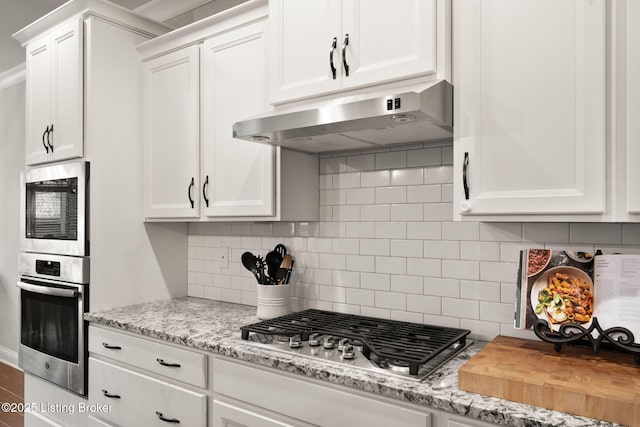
(138, 400)
(293, 397)
(95, 422)
(179, 364)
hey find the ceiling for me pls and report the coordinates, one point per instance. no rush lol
(16, 14)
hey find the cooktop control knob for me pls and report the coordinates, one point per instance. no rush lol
(342, 343)
(348, 352)
(328, 342)
(294, 342)
(314, 340)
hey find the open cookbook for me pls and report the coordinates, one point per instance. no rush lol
(566, 286)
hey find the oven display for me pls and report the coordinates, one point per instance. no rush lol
(48, 268)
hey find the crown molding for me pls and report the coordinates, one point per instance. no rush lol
(13, 76)
(163, 10)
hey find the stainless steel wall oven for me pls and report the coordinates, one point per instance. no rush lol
(54, 209)
(53, 299)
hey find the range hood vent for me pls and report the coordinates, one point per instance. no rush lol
(408, 117)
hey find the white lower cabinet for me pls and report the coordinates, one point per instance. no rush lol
(136, 381)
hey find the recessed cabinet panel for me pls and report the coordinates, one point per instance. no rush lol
(172, 135)
(38, 100)
(238, 176)
(632, 105)
(530, 107)
(386, 42)
(303, 39)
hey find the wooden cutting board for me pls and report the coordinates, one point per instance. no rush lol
(604, 386)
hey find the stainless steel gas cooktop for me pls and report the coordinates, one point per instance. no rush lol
(408, 350)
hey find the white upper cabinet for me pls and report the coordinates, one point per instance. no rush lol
(238, 176)
(191, 108)
(327, 46)
(172, 137)
(529, 109)
(55, 95)
(629, 80)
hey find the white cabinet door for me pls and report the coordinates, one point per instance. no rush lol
(226, 414)
(529, 107)
(302, 49)
(632, 71)
(172, 136)
(55, 95)
(38, 100)
(66, 133)
(387, 41)
(134, 399)
(238, 176)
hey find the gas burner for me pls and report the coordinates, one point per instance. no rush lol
(407, 350)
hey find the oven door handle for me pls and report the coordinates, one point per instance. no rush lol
(66, 293)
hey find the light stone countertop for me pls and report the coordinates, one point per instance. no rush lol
(214, 326)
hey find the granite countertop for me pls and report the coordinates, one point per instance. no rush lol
(214, 326)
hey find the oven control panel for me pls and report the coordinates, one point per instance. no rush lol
(48, 268)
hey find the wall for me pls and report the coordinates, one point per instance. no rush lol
(12, 134)
(386, 246)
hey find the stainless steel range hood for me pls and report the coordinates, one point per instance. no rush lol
(419, 116)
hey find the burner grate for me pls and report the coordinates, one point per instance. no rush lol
(411, 343)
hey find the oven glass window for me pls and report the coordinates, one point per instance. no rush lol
(52, 209)
(49, 324)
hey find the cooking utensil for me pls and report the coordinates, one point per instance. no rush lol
(281, 249)
(250, 262)
(284, 271)
(273, 260)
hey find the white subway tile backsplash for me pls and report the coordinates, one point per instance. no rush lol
(545, 232)
(360, 230)
(360, 196)
(461, 231)
(391, 300)
(364, 263)
(390, 195)
(441, 249)
(346, 180)
(424, 304)
(374, 247)
(499, 271)
(496, 312)
(391, 265)
(455, 269)
(462, 308)
(480, 251)
(407, 176)
(608, 234)
(424, 157)
(438, 175)
(362, 162)
(380, 178)
(348, 279)
(431, 193)
(375, 213)
(407, 212)
(391, 160)
(406, 284)
(424, 267)
(391, 230)
(386, 246)
(424, 230)
(333, 261)
(441, 287)
(482, 291)
(406, 248)
(360, 297)
(438, 212)
(501, 232)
